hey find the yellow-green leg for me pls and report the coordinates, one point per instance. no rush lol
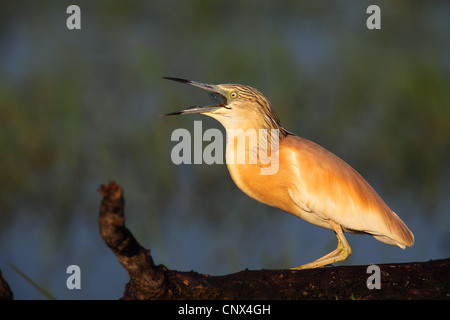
(341, 253)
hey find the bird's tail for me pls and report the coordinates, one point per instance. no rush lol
(399, 234)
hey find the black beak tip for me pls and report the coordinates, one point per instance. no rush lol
(171, 114)
(177, 79)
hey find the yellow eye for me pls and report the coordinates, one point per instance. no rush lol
(233, 95)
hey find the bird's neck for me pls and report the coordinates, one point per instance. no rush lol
(253, 122)
(252, 138)
(252, 144)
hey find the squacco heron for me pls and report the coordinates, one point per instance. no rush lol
(310, 183)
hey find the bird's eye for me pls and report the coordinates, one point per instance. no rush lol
(233, 95)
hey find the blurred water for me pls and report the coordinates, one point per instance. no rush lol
(81, 108)
(274, 240)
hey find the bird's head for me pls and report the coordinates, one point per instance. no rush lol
(238, 107)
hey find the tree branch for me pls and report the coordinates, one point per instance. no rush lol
(5, 290)
(146, 280)
(426, 280)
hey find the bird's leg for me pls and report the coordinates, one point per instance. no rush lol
(341, 253)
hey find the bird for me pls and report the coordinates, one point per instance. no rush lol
(310, 182)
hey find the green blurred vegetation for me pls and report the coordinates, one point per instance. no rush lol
(80, 108)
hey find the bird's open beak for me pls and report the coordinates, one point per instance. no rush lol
(216, 91)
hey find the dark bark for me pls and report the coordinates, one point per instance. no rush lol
(146, 279)
(5, 290)
(418, 280)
